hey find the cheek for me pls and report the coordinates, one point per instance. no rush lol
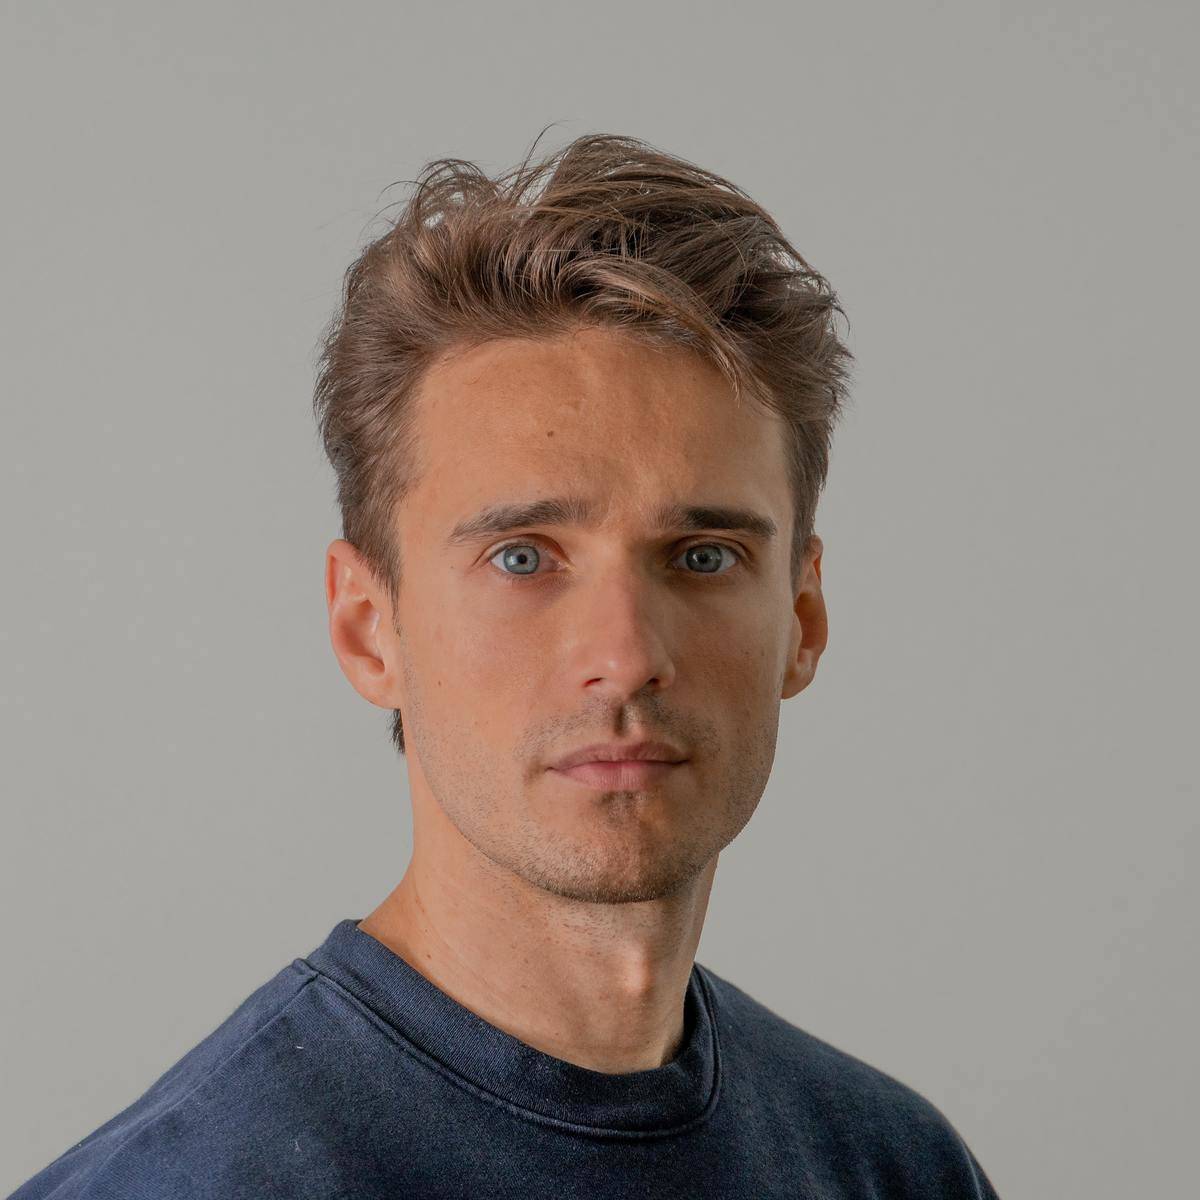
(743, 675)
(733, 653)
(480, 658)
(442, 654)
(746, 677)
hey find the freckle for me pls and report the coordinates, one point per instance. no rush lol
(549, 432)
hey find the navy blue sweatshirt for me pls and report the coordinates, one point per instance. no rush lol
(350, 1075)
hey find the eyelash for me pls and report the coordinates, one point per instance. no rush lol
(526, 541)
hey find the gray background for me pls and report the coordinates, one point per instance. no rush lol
(974, 866)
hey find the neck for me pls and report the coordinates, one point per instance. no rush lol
(598, 985)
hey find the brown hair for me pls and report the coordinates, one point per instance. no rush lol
(609, 232)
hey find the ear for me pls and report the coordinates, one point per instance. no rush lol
(360, 618)
(810, 626)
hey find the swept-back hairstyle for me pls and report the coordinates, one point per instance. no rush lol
(608, 232)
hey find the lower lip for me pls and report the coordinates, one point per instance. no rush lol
(626, 774)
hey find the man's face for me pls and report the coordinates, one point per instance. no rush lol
(515, 648)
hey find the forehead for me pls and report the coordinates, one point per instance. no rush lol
(591, 408)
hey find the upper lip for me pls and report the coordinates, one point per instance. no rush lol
(620, 752)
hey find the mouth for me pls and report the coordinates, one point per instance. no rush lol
(625, 775)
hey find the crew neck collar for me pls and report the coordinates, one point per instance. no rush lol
(506, 1070)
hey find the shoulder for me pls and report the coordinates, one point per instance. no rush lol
(747, 1027)
(843, 1101)
(110, 1160)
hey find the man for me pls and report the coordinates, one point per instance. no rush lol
(579, 431)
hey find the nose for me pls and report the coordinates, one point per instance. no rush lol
(619, 636)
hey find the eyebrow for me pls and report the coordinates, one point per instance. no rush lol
(498, 519)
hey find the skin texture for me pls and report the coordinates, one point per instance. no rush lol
(569, 916)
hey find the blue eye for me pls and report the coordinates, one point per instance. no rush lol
(519, 555)
(702, 553)
(522, 558)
